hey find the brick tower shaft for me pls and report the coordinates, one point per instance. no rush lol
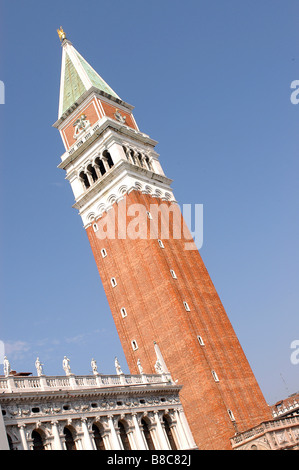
(160, 293)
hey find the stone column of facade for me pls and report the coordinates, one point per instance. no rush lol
(181, 431)
(57, 444)
(88, 444)
(115, 443)
(189, 436)
(175, 435)
(131, 437)
(153, 432)
(23, 436)
(106, 440)
(138, 433)
(163, 441)
(3, 438)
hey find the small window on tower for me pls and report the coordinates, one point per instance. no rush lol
(113, 282)
(186, 307)
(103, 252)
(231, 415)
(95, 227)
(161, 244)
(215, 376)
(123, 312)
(149, 215)
(200, 340)
(173, 274)
(134, 345)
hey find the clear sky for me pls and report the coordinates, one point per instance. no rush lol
(210, 80)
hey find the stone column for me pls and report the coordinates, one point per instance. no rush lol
(57, 442)
(139, 435)
(181, 432)
(163, 441)
(188, 433)
(23, 436)
(114, 438)
(88, 444)
(106, 440)
(131, 437)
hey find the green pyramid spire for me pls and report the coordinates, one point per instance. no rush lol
(77, 76)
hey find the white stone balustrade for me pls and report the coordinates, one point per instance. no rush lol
(17, 384)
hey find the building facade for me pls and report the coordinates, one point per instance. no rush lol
(97, 412)
(281, 433)
(157, 285)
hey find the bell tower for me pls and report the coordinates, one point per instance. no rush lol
(161, 296)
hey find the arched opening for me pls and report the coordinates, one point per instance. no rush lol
(107, 155)
(147, 434)
(92, 172)
(149, 165)
(98, 438)
(169, 433)
(123, 436)
(38, 442)
(133, 157)
(100, 165)
(69, 440)
(140, 160)
(83, 177)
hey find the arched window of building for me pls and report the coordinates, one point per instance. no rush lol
(123, 436)
(69, 440)
(168, 432)
(149, 165)
(92, 172)
(147, 434)
(140, 160)
(38, 442)
(100, 165)
(84, 179)
(107, 155)
(98, 437)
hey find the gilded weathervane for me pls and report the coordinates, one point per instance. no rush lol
(61, 34)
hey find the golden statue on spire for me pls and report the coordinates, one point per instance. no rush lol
(61, 34)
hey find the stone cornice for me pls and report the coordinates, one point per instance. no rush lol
(112, 174)
(96, 92)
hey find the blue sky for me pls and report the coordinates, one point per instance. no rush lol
(210, 80)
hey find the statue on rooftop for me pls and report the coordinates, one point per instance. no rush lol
(66, 365)
(39, 367)
(6, 366)
(117, 367)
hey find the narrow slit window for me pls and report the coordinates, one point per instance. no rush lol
(103, 252)
(134, 345)
(186, 307)
(161, 244)
(231, 415)
(95, 227)
(200, 340)
(113, 282)
(123, 312)
(173, 274)
(215, 376)
(149, 215)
